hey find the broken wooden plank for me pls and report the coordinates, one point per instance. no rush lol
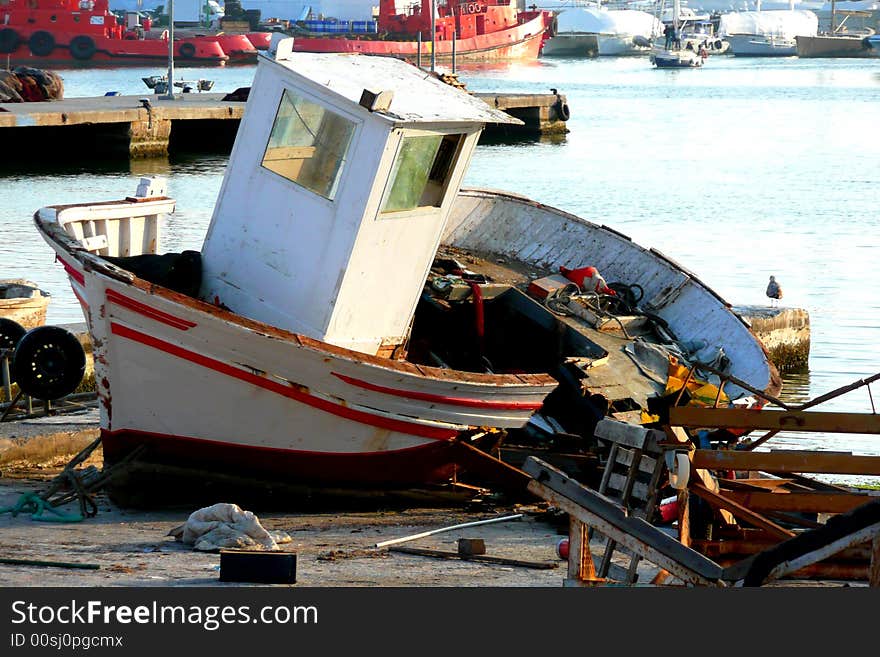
(643, 548)
(786, 461)
(797, 502)
(809, 558)
(634, 534)
(791, 420)
(739, 511)
(719, 550)
(754, 483)
(807, 548)
(628, 435)
(482, 558)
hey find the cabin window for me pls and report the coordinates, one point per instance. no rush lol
(421, 172)
(308, 145)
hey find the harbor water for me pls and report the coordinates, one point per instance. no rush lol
(739, 170)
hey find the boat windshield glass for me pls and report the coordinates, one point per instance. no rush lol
(308, 144)
(421, 172)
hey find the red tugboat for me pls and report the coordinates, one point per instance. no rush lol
(485, 30)
(87, 33)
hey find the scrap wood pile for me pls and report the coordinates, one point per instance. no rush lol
(24, 85)
(740, 516)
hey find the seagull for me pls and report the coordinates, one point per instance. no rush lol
(774, 291)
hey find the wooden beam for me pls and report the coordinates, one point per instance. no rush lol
(580, 559)
(741, 512)
(786, 461)
(626, 434)
(797, 502)
(643, 549)
(633, 534)
(751, 419)
(725, 549)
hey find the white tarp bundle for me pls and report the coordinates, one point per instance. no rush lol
(226, 526)
(781, 23)
(581, 20)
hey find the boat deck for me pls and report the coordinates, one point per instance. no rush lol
(616, 377)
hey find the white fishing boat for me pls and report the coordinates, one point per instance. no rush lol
(353, 318)
(767, 33)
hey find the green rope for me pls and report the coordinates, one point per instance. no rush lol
(37, 506)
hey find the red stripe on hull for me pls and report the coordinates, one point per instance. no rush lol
(148, 311)
(442, 399)
(73, 273)
(409, 428)
(431, 463)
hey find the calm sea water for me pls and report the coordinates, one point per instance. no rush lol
(739, 170)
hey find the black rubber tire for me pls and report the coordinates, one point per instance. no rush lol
(10, 40)
(49, 362)
(10, 333)
(82, 47)
(187, 50)
(41, 43)
(562, 111)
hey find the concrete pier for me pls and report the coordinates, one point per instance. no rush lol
(129, 126)
(544, 114)
(784, 331)
(148, 126)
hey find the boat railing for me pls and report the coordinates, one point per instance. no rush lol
(116, 228)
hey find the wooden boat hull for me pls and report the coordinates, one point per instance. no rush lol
(185, 377)
(29, 305)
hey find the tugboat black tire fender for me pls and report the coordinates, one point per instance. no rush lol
(48, 363)
(187, 50)
(562, 110)
(41, 43)
(82, 47)
(10, 40)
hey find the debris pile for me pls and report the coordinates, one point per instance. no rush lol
(24, 85)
